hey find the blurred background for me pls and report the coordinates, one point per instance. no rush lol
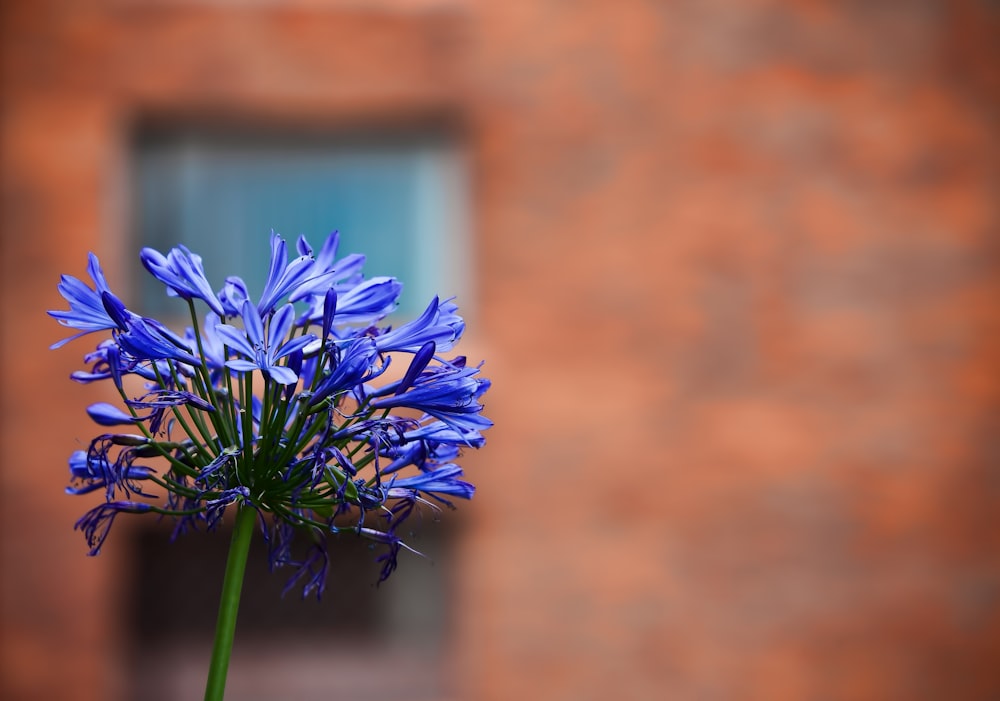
(732, 264)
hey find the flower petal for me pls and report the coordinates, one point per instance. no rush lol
(106, 414)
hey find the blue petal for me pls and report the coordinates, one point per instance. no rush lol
(235, 338)
(370, 300)
(233, 294)
(283, 278)
(356, 365)
(106, 414)
(86, 309)
(417, 365)
(297, 343)
(282, 375)
(443, 480)
(182, 272)
(242, 365)
(280, 325)
(427, 327)
(253, 324)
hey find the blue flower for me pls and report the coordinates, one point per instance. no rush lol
(264, 350)
(86, 310)
(438, 324)
(233, 295)
(440, 432)
(328, 272)
(98, 472)
(97, 522)
(98, 360)
(311, 571)
(317, 443)
(366, 302)
(182, 272)
(424, 453)
(355, 366)
(442, 480)
(145, 339)
(448, 393)
(162, 398)
(98, 469)
(389, 559)
(283, 278)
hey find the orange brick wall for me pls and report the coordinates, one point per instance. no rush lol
(737, 286)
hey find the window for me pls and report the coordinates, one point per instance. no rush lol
(401, 200)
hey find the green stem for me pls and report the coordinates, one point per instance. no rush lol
(229, 605)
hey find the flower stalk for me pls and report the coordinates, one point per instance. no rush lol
(229, 605)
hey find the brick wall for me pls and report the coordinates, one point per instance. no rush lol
(737, 289)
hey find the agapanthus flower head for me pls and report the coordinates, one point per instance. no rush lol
(278, 406)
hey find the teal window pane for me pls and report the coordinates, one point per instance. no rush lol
(400, 199)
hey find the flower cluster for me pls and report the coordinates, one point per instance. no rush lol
(273, 405)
